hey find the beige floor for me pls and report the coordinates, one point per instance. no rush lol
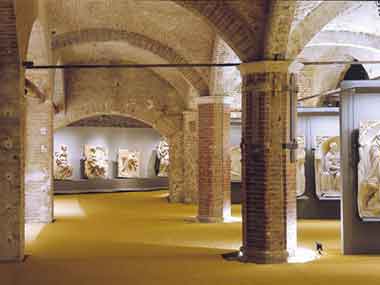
(138, 238)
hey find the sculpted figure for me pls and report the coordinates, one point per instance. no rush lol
(162, 159)
(328, 176)
(96, 165)
(332, 167)
(300, 174)
(128, 165)
(369, 188)
(62, 168)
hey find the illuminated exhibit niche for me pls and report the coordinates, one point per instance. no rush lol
(235, 163)
(128, 163)
(327, 167)
(96, 162)
(369, 171)
(300, 174)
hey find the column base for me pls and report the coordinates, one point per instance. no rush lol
(189, 201)
(265, 257)
(16, 259)
(40, 221)
(173, 199)
(209, 220)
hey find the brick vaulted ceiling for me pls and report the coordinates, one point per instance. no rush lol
(164, 31)
(155, 31)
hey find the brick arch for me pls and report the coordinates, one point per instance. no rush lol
(137, 40)
(326, 51)
(37, 51)
(279, 21)
(89, 111)
(166, 127)
(37, 48)
(230, 25)
(313, 23)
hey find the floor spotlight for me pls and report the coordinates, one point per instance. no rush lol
(234, 256)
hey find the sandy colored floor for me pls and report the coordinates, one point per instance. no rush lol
(138, 238)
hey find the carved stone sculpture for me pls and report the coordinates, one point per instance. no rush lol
(369, 171)
(300, 174)
(236, 163)
(327, 168)
(62, 169)
(96, 162)
(128, 163)
(162, 159)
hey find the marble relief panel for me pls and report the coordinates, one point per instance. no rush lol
(96, 162)
(327, 167)
(128, 163)
(369, 171)
(300, 174)
(162, 159)
(62, 169)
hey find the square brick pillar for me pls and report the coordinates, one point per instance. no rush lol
(269, 192)
(214, 160)
(39, 161)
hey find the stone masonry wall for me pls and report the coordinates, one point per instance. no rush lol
(11, 139)
(190, 129)
(38, 162)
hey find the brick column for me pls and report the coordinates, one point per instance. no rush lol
(214, 159)
(190, 145)
(269, 192)
(39, 162)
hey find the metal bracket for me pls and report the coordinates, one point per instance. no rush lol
(354, 159)
(290, 145)
(254, 147)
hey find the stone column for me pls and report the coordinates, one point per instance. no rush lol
(269, 192)
(11, 140)
(214, 159)
(190, 145)
(176, 176)
(39, 161)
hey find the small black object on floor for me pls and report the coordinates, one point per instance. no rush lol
(232, 256)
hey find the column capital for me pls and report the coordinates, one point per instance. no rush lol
(278, 66)
(189, 112)
(226, 100)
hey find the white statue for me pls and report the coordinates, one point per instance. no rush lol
(332, 167)
(96, 162)
(300, 174)
(327, 168)
(162, 159)
(369, 171)
(128, 163)
(62, 168)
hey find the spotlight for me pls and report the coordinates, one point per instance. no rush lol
(319, 247)
(234, 256)
(231, 256)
